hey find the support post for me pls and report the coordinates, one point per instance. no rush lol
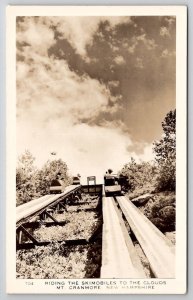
(29, 235)
(51, 217)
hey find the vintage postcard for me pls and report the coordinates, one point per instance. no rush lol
(96, 149)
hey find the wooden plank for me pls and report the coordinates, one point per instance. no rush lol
(159, 250)
(38, 224)
(25, 210)
(119, 259)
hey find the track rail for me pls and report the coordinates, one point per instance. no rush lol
(119, 259)
(34, 207)
(157, 248)
(119, 256)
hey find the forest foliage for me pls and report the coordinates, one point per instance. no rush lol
(32, 182)
(165, 151)
(160, 174)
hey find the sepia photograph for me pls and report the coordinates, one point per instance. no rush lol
(95, 151)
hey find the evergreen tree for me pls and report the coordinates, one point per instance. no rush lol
(165, 150)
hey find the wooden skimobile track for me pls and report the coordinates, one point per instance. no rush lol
(119, 257)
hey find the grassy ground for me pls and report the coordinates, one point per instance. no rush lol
(57, 260)
(80, 225)
(160, 208)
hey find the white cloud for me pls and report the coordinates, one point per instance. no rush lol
(36, 34)
(47, 84)
(170, 20)
(114, 48)
(166, 53)
(119, 60)
(60, 93)
(80, 30)
(164, 31)
(125, 44)
(150, 44)
(139, 63)
(131, 49)
(147, 154)
(141, 37)
(88, 150)
(52, 100)
(53, 103)
(114, 83)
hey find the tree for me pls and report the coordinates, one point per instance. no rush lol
(52, 170)
(32, 183)
(26, 178)
(137, 175)
(165, 150)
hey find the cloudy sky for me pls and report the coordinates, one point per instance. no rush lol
(93, 89)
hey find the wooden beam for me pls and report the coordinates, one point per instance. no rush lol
(51, 217)
(119, 258)
(37, 224)
(29, 235)
(158, 249)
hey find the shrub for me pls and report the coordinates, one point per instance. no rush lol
(138, 176)
(161, 211)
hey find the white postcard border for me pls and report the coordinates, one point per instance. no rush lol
(173, 286)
